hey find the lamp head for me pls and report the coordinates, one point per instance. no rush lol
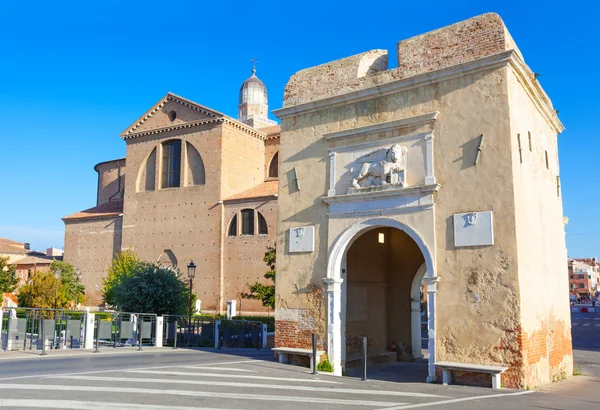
(191, 270)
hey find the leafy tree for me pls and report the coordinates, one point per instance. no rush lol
(260, 291)
(123, 265)
(152, 289)
(41, 290)
(8, 276)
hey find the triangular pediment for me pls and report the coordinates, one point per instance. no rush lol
(170, 111)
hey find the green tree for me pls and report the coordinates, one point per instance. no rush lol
(8, 276)
(123, 265)
(260, 291)
(152, 289)
(41, 290)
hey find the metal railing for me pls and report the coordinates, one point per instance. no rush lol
(21, 328)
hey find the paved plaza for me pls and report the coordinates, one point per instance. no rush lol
(162, 378)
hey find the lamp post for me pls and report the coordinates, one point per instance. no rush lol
(78, 278)
(191, 273)
(57, 274)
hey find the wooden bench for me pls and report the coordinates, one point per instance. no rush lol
(448, 367)
(285, 352)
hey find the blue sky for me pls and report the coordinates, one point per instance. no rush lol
(73, 75)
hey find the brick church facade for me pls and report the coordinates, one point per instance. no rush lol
(196, 185)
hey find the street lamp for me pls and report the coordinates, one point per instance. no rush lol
(78, 277)
(191, 273)
(57, 274)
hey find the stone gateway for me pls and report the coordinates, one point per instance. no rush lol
(429, 239)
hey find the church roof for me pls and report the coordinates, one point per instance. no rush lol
(266, 189)
(106, 210)
(210, 116)
(271, 131)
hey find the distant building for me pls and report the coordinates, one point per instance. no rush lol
(25, 260)
(584, 274)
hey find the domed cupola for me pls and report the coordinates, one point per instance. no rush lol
(253, 108)
(253, 91)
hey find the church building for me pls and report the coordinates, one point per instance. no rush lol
(196, 185)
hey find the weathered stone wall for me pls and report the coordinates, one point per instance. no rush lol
(542, 258)
(90, 246)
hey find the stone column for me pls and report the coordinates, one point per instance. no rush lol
(331, 191)
(334, 323)
(415, 314)
(429, 178)
(431, 294)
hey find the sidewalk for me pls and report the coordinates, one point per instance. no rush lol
(30, 354)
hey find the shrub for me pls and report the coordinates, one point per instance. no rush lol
(325, 366)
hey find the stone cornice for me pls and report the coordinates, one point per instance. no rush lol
(384, 126)
(369, 195)
(223, 120)
(535, 91)
(502, 59)
(214, 117)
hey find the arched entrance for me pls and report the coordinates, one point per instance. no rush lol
(375, 271)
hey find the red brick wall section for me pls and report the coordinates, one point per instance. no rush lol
(551, 343)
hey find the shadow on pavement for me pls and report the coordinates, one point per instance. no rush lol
(397, 372)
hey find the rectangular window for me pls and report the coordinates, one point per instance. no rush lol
(547, 163)
(520, 151)
(580, 276)
(171, 164)
(571, 276)
(248, 222)
(581, 285)
(530, 145)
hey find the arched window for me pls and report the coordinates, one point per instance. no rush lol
(233, 227)
(171, 164)
(262, 225)
(247, 221)
(274, 166)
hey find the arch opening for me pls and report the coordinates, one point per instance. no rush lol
(411, 264)
(382, 266)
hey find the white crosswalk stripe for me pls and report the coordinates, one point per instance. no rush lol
(87, 405)
(228, 376)
(252, 385)
(165, 392)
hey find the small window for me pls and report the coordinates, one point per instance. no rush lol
(171, 164)
(247, 222)
(530, 144)
(262, 225)
(581, 285)
(589, 276)
(233, 227)
(172, 115)
(581, 276)
(274, 166)
(571, 276)
(547, 163)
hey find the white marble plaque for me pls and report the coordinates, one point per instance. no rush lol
(474, 229)
(302, 239)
